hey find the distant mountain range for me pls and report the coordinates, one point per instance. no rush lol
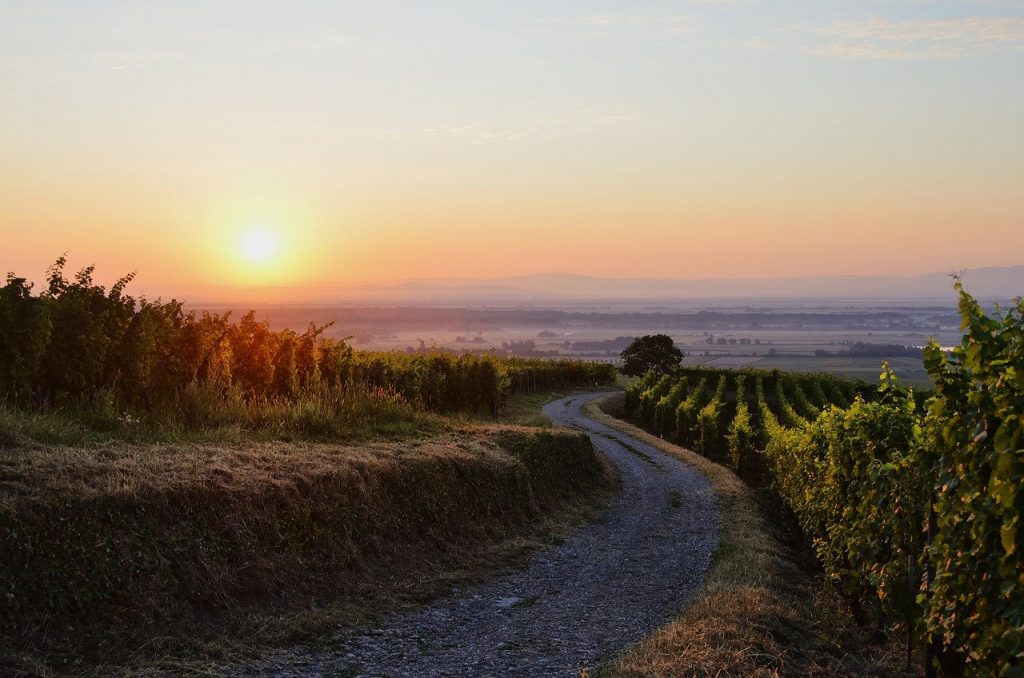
(987, 284)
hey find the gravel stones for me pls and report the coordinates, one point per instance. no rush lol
(609, 584)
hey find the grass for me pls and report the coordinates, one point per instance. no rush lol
(171, 557)
(201, 416)
(910, 370)
(525, 410)
(758, 611)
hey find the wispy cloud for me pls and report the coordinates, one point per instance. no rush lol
(917, 39)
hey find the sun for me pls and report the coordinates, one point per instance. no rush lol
(260, 245)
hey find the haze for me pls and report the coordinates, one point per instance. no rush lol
(379, 141)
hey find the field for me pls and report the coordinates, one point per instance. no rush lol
(179, 488)
(787, 336)
(761, 611)
(182, 491)
(864, 471)
(590, 339)
(910, 370)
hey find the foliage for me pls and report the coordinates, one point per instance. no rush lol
(651, 352)
(859, 480)
(974, 424)
(665, 411)
(708, 434)
(857, 484)
(740, 435)
(816, 393)
(77, 345)
(650, 398)
(802, 403)
(636, 389)
(686, 413)
(705, 420)
(787, 414)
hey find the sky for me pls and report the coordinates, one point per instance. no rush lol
(293, 143)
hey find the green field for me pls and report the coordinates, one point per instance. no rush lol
(910, 370)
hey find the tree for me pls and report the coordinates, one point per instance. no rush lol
(652, 352)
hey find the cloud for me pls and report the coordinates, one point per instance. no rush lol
(915, 39)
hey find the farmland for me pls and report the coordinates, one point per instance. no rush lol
(676, 339)
(251, 485)
(785, 335)
(865, 473)
(227, 488)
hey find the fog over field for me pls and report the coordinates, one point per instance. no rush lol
(844, 325)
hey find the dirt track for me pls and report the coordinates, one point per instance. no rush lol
(610, 583)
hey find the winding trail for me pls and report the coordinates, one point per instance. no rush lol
(609, 584)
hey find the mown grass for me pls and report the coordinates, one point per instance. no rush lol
(202, 417)
(146, 557)
(525, 410)
(198, 415)
(759, 612)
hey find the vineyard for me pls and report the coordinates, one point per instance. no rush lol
(911, 500)
(185, 476)
(727, 415)
(112, 358)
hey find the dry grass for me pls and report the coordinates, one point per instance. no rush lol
(757, 613)
(170, 557)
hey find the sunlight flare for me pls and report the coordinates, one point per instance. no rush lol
(260, 245)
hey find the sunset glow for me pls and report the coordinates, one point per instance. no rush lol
(350, 143)
(260, 245)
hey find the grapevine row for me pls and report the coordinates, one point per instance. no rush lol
(79, 343)
(912, 501)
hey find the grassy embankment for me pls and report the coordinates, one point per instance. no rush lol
(759, 612)
(164, 551)
(174, 482)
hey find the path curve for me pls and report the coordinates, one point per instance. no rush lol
(609, 584)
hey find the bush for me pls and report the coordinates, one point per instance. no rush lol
(686, 413)
(708, 434)
(860, 480)
(975, 424)
(665, 411)
(650, 398)
(857, 483)
(740, 436)
(81, 346)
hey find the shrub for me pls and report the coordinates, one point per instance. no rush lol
(975, 424)
(665, 411)
(77, 344)
(708, 434)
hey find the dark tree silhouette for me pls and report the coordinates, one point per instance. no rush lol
(651, 352)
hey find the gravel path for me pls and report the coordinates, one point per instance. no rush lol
(609, 584)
